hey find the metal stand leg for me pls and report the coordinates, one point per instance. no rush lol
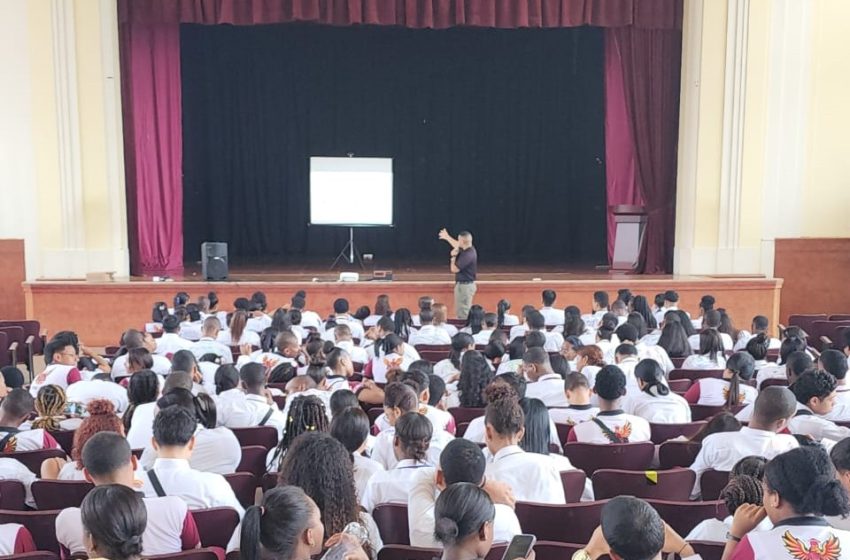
(352, 250)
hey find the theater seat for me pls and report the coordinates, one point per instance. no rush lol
(695, 374)
(253, 460)
(391, 520)
(701, 412)
(244, 485)
(550, 550)
(216, 525)
(680, 385)
(268, 481)
(13, 495)
(684, 516)
(37, 555)
(461, 429)
(674, 484)
(60, 494)
(664, 432)
(592, 456)
(65, 439)
(563, 432)
(405, 552)
(433, 352)
(711, 483)
(41, 524)
(573, 482)
(708, 550)
(209, 553)
(256, 435)
(33, 459)
(677, 454)
(461, 414)
(570, 523)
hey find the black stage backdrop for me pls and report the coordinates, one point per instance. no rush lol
(500, 132)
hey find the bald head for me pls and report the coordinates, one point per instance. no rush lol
(773, 407)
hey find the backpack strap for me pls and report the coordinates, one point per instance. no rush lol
(609, 433)
(267, 416)
(157, 486)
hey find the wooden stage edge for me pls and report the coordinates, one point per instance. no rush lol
(100, 312)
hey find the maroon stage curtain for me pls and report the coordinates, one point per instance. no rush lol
(153, 146)
(647, 34)
(651, 66)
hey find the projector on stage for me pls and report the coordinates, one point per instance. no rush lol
(349, 277)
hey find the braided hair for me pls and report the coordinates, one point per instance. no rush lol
(306, 414)
(742, 489)
(50, 407)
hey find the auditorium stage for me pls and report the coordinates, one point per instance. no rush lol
(100, 311)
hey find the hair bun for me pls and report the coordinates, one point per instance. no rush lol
(501, 392)
(446, 530)
(131, 546)
(100, 407)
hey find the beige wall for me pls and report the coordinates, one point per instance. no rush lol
(61, 101)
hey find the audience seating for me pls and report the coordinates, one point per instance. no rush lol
(773, 383)
(268, 481)
(591, 456)
(392, 523)
(209, 553)
(695, 374)
(673, 484)
(13, 495)
(433, 352)
(280, 401)
(805, 321)
(461, 428)
(65, 439)
(279, 386)
(550, 550)
(820, 329)
(253, 460)
(677, 362)
(34, 338)
(373, 414)
(59, 494)
(711, 483)
(573, 482)
(708, 550)
(461, 414)
(244, 485)
(37, 555)
(677, 454)
(664, 432)
(570, 523)
(216, 525)
(684, 516)
(563, 432)
(680, 385)
(705, 412)
(406, 552)
(17, 345)
(33, 459)
(256, 435)
(5, 351)
(840, 317)
(42, 525)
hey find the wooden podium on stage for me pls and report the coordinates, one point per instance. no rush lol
(629, 228)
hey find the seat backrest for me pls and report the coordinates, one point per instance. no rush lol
(65, 439)
(839, 317)
(701, 412)
(462, 414)
(684, 516)
(712, 482)
(674, 484)
(37, 555)
(573, 483)
(31, 329)
(591, 456)
(216, 525)
(550, 550)
(406, 552)
(5, 355)
(268, 481)
(563, 432)
(16, 334)
(461, 429)
(253, 460)
(680, 385)
(433, 352)
(694, 374)
(33, 459)
(677, 454)
(41, 524)
(244, 485)
(208, 553)
(708, 550)
(677, 362)
(373, 414)
(13, 495)
(391, 520)
(256, 435)
(663, 432)
(59, 494)
(774, 383)
(570, 523)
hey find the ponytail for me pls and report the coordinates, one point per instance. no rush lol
(275, 526)
(650, 372)
(249, 542)
(501, 308)
(460, 342)
(734, 390)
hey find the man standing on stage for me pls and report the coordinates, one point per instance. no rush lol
(464, 264)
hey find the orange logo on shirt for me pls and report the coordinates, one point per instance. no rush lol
(830, 550)
(269, 363)
(394, 363)
(726, 395)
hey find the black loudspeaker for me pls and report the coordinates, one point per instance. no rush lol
(214, 260)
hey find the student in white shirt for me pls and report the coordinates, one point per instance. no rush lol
(626, 358)
(170, 341)
(611, 425)
(840, 457)
(425, 303)
(628, 334)
(742, 489)
(640, 305)
(231, 406)
(14, 411)
(578, 392)
(799, 489)
(483, 336)
(51, 409)
(418, 378)
(389, 355)
(337, 370)
(15, 539)
(589, 361)
(410, 446)
(265, 413)
(757, 348)
(449, 369)
(552, 316)
(815, 393)
(760, 325)
(600, 308)
(535, 322)
(533, 477)
(12, 469)
(796, 364)
(304, 412)
(208, 343)
(728, 391)
(429, 333)
(710, 352)
(773, 408)
(671, 301)
(142, 392)
(238, 334)
(631, 528)
(140, 350)
(475, 375)
(382, 309)
(461, 462)
(464, 515)
(351, 427)
(322, 467)
(62, 369)
(107, 460)
(655, 402)
(503, 318)
(706, 304)
(342, 339)
(835, 363)
(793, 349)
(545, 384)
(606, 340)
(440, 314)
(342, 317)
(711, 321)
(100, 386)
(113, 519)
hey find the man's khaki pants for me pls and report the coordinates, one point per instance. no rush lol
(463, 298)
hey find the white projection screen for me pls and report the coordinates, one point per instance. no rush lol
(351, 191)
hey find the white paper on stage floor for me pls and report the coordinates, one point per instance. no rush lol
(351, 191)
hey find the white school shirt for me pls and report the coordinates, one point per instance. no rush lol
(448, 327)
(772, 371)
(170, 343)
(702, 361)
(353, 324)
(141, 426)
(270, 360)
(510, 320)
(476, 432)
(232, 409)
(392, 486)
(554, 341)
(259, 406)
(592, 320)
(573, 414)
(199, 489)
(207, 345)
(722, 450)
(248, 337)
(167, 519)
(744, 338)
(55, 374)
(216, 451)
(311, 319)
(799, 537)
(807, 423)
(86, 391)
(440, 419)
(659, 409)
(191, 330)
(445, 369)
(727, 341)
(10, 538)
(483, 336)
(364, 469)
(161, 366)
(356, 353)
(381, 365)
(552, 317)
(715, 530)
(408, 351)
(651, 339)
(841, 411)
(633, 428)
(715, 392)
(549, 388)
(420, 513)
(33, 440)
(533, 477)
(69, 471)
(12, 469)
(259, 324)
(383, 452)
(518, 330)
